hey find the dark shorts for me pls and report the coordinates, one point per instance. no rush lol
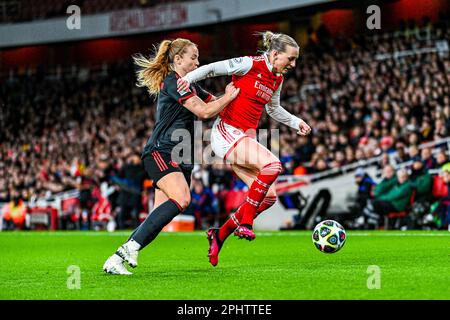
(158, 164)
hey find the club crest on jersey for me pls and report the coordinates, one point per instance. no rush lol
(235, 60)
(259, 75)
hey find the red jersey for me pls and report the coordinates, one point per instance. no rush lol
(257, 87)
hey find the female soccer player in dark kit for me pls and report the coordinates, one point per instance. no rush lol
(176, 109)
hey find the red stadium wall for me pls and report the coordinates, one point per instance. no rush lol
(95, 51)
(109, 50)
(339, 21)
(245, 38)
(392, 13)
(347, 21)
(26, 56)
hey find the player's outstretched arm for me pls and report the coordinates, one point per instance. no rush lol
(208, 110)
(237, 66)
(277, 112)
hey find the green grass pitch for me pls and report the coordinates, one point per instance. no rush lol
(277, 265)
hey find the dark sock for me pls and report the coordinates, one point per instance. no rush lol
(155, 222)
(134, 232)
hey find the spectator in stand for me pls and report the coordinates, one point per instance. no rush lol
(384, 161)
(305, 149)
(387, 183)
(387, 145)
(300, 170)
(130, 179)
(396, 199)
(220, 177)
(101, 211)
(413, 153)
(202, 205)
(401, 156)
(86, 185)
(365, 187)
(441, 158)
(14, 213)
(441, 208)
(428, 159)
(320, 165)
(421, 182)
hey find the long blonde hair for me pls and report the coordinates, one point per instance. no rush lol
(153, 70)
(277, 41)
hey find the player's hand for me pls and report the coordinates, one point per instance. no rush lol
(183, 84)
(304, 128)
(232, 91)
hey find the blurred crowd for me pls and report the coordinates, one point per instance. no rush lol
(409, 197)
(85, 128)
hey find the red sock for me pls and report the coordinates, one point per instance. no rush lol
(233, 222)
(266, 204)
(258, 190)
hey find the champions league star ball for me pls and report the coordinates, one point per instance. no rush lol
(329, 236)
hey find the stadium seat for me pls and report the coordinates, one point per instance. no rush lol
(440, 188)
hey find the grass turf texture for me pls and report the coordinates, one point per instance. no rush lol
(277, 265)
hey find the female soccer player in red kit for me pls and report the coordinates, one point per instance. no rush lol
(233, 134)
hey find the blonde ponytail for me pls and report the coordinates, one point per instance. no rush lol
(277, 41)
(267, 39)
(153, 71)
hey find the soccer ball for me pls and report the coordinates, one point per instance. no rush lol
(329, 236)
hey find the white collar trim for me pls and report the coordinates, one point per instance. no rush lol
(268, 64)
(266, 59)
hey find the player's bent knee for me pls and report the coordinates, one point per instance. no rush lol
(273, 168)
(271, 194)
(182, 199)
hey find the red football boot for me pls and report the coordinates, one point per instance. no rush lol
(244, 233)
(214, 246)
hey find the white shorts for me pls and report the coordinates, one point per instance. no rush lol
(224, 138)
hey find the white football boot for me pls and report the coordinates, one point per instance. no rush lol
(128, 255)
(116, 265)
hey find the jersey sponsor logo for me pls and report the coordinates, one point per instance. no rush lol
(262, 87)
(263, 92)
